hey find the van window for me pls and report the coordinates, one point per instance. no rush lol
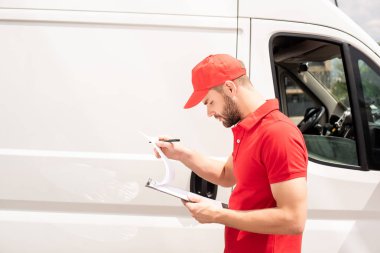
(330, 74)
(313, 92)
(370, 82)
(296, 99)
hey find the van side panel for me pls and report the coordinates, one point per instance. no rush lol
(76, 89)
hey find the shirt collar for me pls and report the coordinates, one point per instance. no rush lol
(255, 117)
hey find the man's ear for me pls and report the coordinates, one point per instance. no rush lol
(230, 88)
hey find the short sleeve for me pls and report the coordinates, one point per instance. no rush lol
(283, 152)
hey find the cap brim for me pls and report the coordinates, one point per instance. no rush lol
(195, 98)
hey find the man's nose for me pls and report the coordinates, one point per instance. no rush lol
(210, 113)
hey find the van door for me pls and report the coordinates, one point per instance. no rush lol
(311, 71)
(76, 87)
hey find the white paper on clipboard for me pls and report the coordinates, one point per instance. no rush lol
(169, 171)
(164, 185)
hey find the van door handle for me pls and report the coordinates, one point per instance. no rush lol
(202, 187)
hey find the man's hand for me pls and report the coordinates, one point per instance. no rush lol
(202, 209)
(172, 150)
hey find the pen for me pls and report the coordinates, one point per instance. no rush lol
(170, 140)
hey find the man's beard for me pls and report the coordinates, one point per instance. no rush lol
(231, 115)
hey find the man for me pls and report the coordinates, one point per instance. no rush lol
(267, 208)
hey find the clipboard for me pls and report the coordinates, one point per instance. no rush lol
(177, 192)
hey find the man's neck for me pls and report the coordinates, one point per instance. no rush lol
(251, 100)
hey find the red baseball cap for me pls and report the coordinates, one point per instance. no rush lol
(213, 71)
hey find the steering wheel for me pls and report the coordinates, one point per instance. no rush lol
(311, 118)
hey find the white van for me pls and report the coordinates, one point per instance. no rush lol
(80, 79)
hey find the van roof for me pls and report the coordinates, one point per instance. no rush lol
(319, 12)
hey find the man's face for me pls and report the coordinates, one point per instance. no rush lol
(222, 107)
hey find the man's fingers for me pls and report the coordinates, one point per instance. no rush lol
(164, 137)
(189, 205)
(162, 144)
(194, 198)
(156, 153)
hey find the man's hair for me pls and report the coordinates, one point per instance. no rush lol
(242, 80)
(218, 88)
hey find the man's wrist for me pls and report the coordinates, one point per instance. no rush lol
(220, 215)
(185, 155)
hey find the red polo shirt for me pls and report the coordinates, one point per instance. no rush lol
(268, 148)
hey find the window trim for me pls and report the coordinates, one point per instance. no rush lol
(357, 55)
(357, 115)
(351, 85)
